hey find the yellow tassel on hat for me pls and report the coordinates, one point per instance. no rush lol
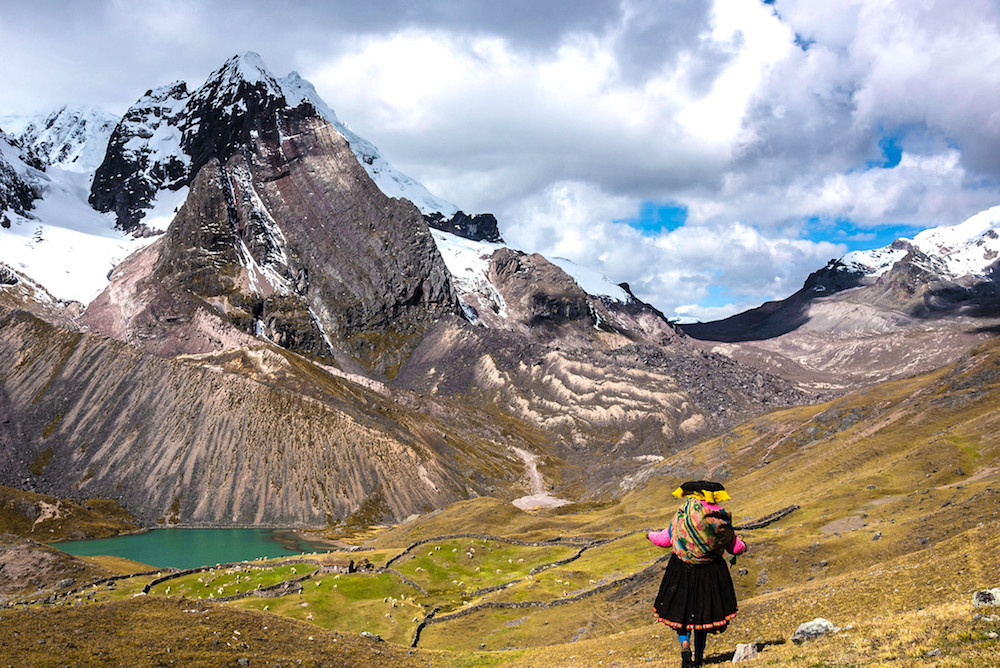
(703, 495)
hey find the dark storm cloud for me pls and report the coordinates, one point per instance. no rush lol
(656, 32)
(111, 51)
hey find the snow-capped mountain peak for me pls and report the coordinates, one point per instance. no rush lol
(248, 66)
(169, 133)
(226, 87)
(969, 248)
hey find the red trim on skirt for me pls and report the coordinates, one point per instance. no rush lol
(696, 627)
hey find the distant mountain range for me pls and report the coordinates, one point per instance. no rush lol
(944, 271)
(227, 308)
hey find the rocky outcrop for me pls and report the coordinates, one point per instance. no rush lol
(540, 297)
(479, 227)
(745, 652)
(986, 598)
(817, 628)
(143, 156)
(530, 295)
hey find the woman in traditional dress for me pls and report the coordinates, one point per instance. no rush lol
(696, 595)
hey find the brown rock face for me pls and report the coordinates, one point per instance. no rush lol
(541, 298)
(375, 278)
(541, 301)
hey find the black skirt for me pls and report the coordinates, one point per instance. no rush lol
(696, 597)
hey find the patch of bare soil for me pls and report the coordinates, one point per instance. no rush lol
(844, 524)
(32, 570)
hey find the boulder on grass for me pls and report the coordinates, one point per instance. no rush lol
(986, 598)
(744, 652)
(814, 629)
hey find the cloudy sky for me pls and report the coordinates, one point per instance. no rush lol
(711, 153)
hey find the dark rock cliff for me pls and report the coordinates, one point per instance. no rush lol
(480, 227)
(16, 193)
(140, 159)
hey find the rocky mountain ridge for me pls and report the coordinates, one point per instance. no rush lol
(75, 139)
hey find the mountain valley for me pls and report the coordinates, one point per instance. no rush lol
(227, 309)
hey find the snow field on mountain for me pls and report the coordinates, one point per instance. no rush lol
(469, 264)
(72, 139)
(67, 246)
(590, 280)
(874, 262)
(967, 249)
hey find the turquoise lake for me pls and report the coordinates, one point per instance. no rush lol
(190, 548)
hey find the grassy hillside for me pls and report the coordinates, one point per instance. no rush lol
(47, 518)
(898, 489)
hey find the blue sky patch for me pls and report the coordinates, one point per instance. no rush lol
(655, 218)
(803, 42)
(891, 146)
(843, 231)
